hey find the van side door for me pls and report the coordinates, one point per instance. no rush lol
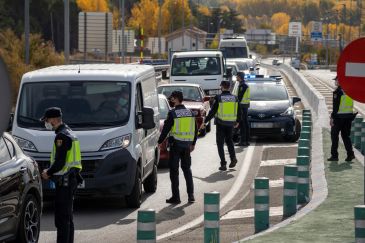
(141, 133)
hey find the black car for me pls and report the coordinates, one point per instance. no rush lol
(20, 194)
(271, 111)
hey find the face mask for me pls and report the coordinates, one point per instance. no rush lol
(48, 126)
(122, 102)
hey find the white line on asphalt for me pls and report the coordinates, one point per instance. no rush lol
(230, 195)
(355, 69)
(249, 213)
(275, 162)
(280, 146)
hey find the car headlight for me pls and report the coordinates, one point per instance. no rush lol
(25, 144)
(288, 112)
(118, 142)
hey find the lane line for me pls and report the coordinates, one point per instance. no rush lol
(227, 198)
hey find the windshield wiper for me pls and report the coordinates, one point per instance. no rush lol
(29, 118)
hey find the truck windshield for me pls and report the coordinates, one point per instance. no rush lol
(196, 66)
(84, 104)
(235, 52)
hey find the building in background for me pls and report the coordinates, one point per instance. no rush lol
(260, 36)
(152, 45)
(128, 44)
(186, 39)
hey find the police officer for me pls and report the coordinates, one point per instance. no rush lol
(244, 103)
(341, 119)
(64, 172)
(181, 125)
(225, 108)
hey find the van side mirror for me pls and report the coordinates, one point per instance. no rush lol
(296, 99)
(250, 56)
(228, 72)
(145, 118)
(11, 120)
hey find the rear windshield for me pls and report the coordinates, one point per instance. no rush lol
(189, 93)
(235, 52)
(196, 66)
(267, 92)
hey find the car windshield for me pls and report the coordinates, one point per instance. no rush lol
(267, 92)
(91, 104)
(235, 52)
(163, 108)
(242, 65)
(234, 69)
(195, 66)
(190, 93)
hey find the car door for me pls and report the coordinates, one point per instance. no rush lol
(10, 185)
(141, 133)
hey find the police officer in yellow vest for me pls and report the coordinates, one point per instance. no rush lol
(64, 172)
(225, 108)
(341, 119)
(244, 103)
(181, 125)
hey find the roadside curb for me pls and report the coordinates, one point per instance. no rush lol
(319, 182)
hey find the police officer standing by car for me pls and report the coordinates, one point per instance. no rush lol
(181, 125)
(244, 103)
(341, 118)
(225, 108)
(64, 172)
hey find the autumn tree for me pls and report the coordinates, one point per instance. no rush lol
(145, 15)
(93, 6)
(279, 21)
(174, 14)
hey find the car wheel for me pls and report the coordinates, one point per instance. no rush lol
(209, 127)
(150, 184)
(134, 200)
(29, 227)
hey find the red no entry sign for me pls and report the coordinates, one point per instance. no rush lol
(351, 70)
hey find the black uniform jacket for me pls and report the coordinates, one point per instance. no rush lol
(169, 123)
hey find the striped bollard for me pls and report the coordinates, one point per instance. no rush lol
(146, 226)
(211, 217)
(262, 209)
(303, 151)
(352, 133)
(303, 178)
(290, 190)
(306, 111)
(306, 129)
(304, 143)
(307, 123)
(357, 137)
(305, 135)
(363, 137)
(359, 223)
(307, 117)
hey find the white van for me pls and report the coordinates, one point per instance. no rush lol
(205, 68)
(234, 47)
(118, 137)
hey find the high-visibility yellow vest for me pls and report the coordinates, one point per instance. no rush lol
(346, 105)
(183, 129)
(227, 110)
(73, 157)
(246, 97)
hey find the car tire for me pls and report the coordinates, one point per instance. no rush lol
(150, 184)
(209, 127)
(134, 200)
(29, 223)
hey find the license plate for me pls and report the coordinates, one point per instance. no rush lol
(82, 185)
(262, 125)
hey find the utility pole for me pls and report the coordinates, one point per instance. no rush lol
(67, 31)
(123, 28)
(183, 21)
(350, 21)
(359, 2)
(159, 28)
(26, 29)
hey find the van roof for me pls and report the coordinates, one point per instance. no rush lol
(212, 53)
(125, 72)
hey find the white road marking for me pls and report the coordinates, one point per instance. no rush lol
(280, 146)
(230, 195)
(275, 162)
(354, 69)
(249, 213)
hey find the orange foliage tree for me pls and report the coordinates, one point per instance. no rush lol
(93, 5)
(279, 22)
(145, 15)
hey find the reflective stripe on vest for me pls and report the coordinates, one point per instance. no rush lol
(346, 105)
(73, 157)
(227, 109)
(246, 97)
(184, 127)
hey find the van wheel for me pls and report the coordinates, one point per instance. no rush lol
(134, 200)
(150, 184)
(29, 224)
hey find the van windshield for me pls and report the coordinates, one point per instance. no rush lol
(235, 52)
(84, 104)
(196, 66)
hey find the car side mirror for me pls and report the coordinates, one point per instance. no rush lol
(11, 120)
(296, 99)
(250, 56)
(207, 98)
(145, 118)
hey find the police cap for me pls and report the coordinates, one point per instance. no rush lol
(241, 75)
(51, 112)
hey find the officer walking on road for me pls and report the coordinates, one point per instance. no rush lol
(225, 108)
(64, 172)
(244, 103)
(181, 125)
(341, 119)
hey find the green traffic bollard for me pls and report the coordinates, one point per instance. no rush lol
(307, 117)
(146, 226)
(211, 217)
(305, 135)
(352, 133)
(306, 129)
(307, 123)
(290, 190)
(357, 137)
(359, 223)
(304, 143)
(303, 178)
(363, 137)
(306, 111)
(262, 209)
(303, 151)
